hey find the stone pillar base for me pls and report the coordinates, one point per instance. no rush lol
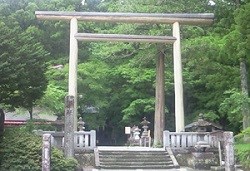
(203, 160)
(217, 168)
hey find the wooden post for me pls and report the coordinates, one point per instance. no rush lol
(69, 127)
(46, 152)
(178, 85)
(73, 55)
(159, 99)
(220, 154)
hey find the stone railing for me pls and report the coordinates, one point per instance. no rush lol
(223, 141)
(188, 139)
(83, 140)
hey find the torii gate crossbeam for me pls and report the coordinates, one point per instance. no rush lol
(156, 18)
(175, 19)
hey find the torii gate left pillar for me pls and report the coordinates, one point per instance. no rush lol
(73, 58)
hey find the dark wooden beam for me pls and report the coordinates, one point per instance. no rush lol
(124, 38)
(157, 18)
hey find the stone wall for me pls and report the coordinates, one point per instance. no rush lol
(86, 159)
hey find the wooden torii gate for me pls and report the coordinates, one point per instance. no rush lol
(174, 19)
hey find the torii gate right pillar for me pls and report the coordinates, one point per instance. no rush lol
(178, 84)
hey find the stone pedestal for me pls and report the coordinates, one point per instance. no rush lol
(203, 160)
(69, 126)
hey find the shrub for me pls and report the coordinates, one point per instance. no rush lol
(22, 151)
(59, 163)
(243, 148)
(243, 154)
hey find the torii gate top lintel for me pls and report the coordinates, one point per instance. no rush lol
(157, 18)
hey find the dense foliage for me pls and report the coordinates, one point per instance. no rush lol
(118, 79)
(21, 150)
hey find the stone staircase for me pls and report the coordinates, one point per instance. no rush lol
(134, 158)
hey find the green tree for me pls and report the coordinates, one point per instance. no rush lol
(236, 48)
(242, 19)
(22, 66)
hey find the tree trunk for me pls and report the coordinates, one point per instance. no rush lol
(159, 123)
(31, 113)
(1, 122)
(238, 2)
(244, 88)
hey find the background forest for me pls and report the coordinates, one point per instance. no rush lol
(116, 81)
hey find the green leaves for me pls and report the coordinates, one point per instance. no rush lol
(53, 99)
(243, 25)
(232, 106)
(137, 109)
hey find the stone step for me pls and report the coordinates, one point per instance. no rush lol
(135, 155)
(135, 159)
(128, 163)
(138, 167)
(135, 152)
(138, 154)
(122, 159)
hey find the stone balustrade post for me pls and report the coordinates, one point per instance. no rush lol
(229, 151)
(46, 151)
(166, 139)
(92, 138)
